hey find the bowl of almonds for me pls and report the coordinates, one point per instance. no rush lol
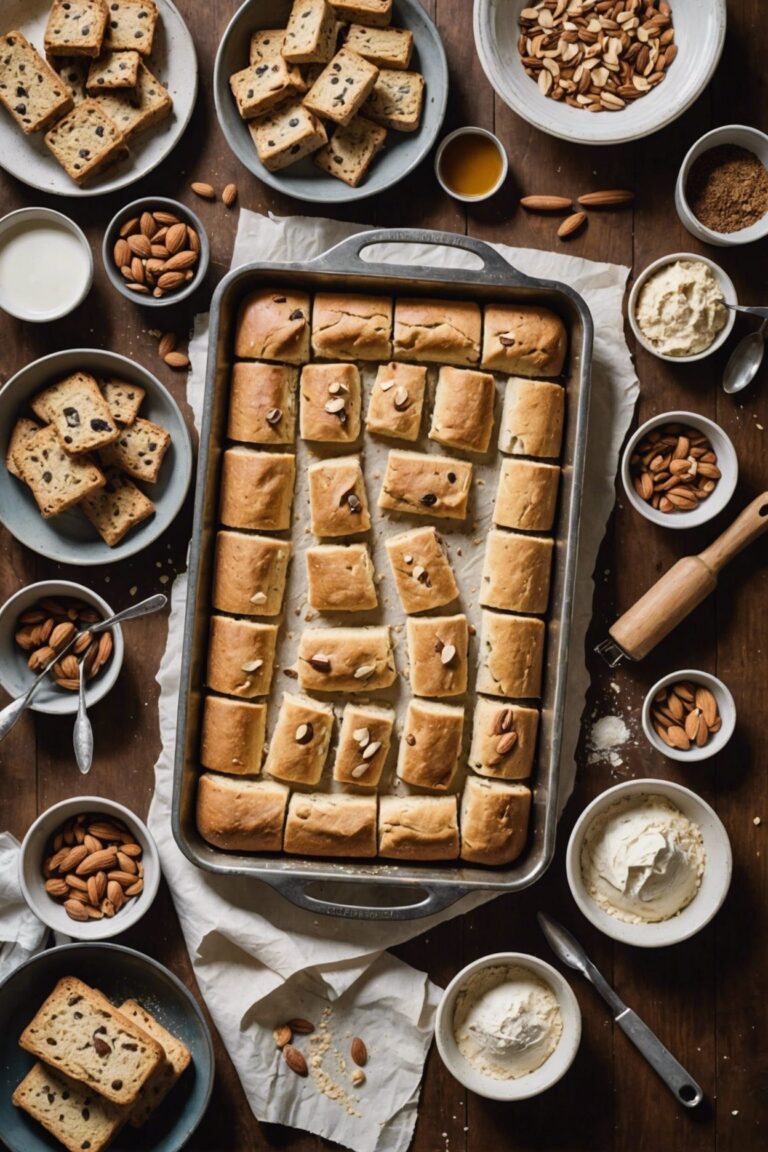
(156, 251)
(42, 620)
(679, 469)
(89, 868)
(689, 715)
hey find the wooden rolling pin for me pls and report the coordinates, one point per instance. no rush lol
(682, 589)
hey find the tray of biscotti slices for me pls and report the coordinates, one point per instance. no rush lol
(381, 580)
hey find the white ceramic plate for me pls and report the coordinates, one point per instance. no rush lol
(174, 63)
(699, 35)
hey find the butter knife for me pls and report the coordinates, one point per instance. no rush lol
(568, 949)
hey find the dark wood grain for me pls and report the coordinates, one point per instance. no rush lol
(706, 998)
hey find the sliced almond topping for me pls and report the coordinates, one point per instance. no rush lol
(335, 406)
(361, 736)
(402, 399)
(258, 598)
(320, 662)
(252, 665)
(304, 733)
(371, 750)
(448, 653)
(364, 671)
(359, 770)
(274, 416)
(408, 559)
(385, 385)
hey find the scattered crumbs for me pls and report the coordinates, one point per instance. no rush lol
(459, 552)
(133, 590)
(319, 1043)
(158, 563)
(759, 427)
(106, 579)
(309, 614)
(756, 820)
(615, 687)
(734, 1112)
(164, 579)
(477, 540)
(606, 736)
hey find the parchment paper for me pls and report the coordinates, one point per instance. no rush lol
(259, 960)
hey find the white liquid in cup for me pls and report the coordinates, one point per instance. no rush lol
(44, 270)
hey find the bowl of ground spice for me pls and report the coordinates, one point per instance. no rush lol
(721, 194)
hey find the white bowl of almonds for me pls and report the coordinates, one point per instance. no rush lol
(89, 868)
(679, 470)
(689, 715)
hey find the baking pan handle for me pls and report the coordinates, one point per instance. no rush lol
(346, 256)
(356, 900)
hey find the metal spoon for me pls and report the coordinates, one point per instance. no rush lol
(750, 309)
(11, 713)
(745, 360)
(83, 734)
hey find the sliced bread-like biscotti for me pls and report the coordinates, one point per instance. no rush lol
(85, 141)
(56, 479)
(73, 70)
(117, 507)
(113, 70)
(75, 1115)
(131, 24)
(266, 43)
(287, 136)
(23, 431)
(384, 47)
(310, 36)
(177, 1058)
(124, 399)
(76, 27)
(350, 151)
(78, 1031)
(139, 450)
(262, 86)
(78, 412)
(148, 104)
(29, 88)
(374, 13)
(396, 100)
(342, 87)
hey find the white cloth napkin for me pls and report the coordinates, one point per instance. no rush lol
(259, 960)
(21, 933)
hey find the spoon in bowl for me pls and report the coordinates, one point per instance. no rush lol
(745, 360)
(83, 734)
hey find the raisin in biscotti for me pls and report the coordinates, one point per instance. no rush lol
(342, 87)
(29, 88)
(396, 100)
(85, 142)
(310, 37)
(78, 1031)
(136, 111)
(130, 24)
(78, 412)
(351, 150)
(56, 479)
(177, 1058)
(75, 1115)
(287, 136)
(76, 27)
(117, 507)
(139, 450)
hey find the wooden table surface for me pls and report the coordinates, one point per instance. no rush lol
(705, 998)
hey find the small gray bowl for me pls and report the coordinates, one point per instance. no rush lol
(152, 204)
(402, 151)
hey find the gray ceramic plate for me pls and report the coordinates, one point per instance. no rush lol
(70, 538)
(403, 150)
(174, 63)
(120, 973)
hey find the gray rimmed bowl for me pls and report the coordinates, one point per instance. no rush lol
(402, 151)
(69, 538)
(152, 204)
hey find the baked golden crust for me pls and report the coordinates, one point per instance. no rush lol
(340, 578)
(347, 326)
(232, 738)
(299, 745)
(241, 657)
(427, 485)
(511, 655)
(431, 744)
(273, 324)
(516, 571)
(337, 500)
(418, 827)
(331, 825)
(494, 821)
(526, 497)
(422, 572)
(330, 403)
(437, 654)
(523, 340)
(462, 416)
(397, 401)
(364, 741)
(257, 489)
(249, 574)
(241, 815)
(503, 739)
(439, 331)
(532, 418)
(346, 659)
(262, 403)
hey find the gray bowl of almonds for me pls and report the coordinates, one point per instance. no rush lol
(156, 251)
(41, 619)
(689, 715)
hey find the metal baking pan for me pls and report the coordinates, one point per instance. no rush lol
(387, 889)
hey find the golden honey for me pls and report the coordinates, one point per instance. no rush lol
(471, 164)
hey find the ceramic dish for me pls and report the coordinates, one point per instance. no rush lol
(16, 676)
(120, 973)
(503, 164)
(714, 884)
(69, 538)
(699, 35)
(744, 137)
(402, 151)
(725, 284)
(174, 63)
(534, 1083)
(42, 269)
(725, 704)
(727, 462)
(52, 912)
(153, 204)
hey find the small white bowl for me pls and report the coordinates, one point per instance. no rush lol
(25, 220)
(725, 284)
(534, 1083)
(32, 881)
(727, 462)
(746, 137)
(726, 707)
(15, 675)
(471, 131)
(714, 883)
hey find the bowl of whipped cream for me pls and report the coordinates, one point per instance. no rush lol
(649, 863)
(508, 1026)
(676, 307)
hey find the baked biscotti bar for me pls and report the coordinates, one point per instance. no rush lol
(363, 747)
(346, 659)
(56, 479)
(74, 1114)
(262, 403)
(241, 657)
(73, 70)
(261, 86)
(266, 43)
(117, 507)
(397, 401)
(29, 88)
(80, 1033)
(148, 104)
(342, 87)
(273, 324)
(438, 331)
(418, 827)
(85, 142)
(427, 485)
(113, 70)
(430, 747)
(241, 815)
(300, 741)
(462, 416)
(249, 573)
(503, 739)
(494, 821)
(384, 47)
(287, 135)
(338, 503)
(310, 36)
(397, 100)
(131, 24)
(346, 326)
(257, 489)
(526, 497)
(532, 418)
(375, 13)
(341, 578)
(23, 431)
(351, 150)
(78, 413)
(177, 1060)
(523, 340)
(76, 28)
(423, 575)
(124, 399)
(139, 450)
(233, 735)
(319, 824)
(437, 654)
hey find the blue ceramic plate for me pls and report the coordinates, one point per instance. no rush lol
(119, 973)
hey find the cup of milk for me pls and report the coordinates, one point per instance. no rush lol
(46, 265)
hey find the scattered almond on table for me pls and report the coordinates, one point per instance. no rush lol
(203, 190)
(674, 468)
(576, 221)
(93, 867)
(684, 715)
(47, 627)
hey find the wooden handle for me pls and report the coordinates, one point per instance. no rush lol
(752, 522)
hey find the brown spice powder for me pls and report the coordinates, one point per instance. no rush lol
(727, 188)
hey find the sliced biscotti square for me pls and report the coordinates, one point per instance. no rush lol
(261, 86)
(78, 413)
(266, 43)
(310, 37)
(124, 399)
(396, 100)
(342, 87)
(118, 70)
(131, 24)
(147, 105)
(351, 150)
(80, 1033)
(75, 1115)
(117, 507)
(23, 431)
(139, 450)
(85, 141)
(73, 70)
(29, 88)
(384, 47)
(57, 479)
(177, 1059)
(76, 28)
(375, 13)
(287, 136)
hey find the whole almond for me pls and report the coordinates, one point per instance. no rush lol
(140, 245)
(176, 360)
(181, 261)
(75, 910)
(77, 884)
(137, 270)
(708, 705)
(121, 253)
(301, 1026)
(56, 888)
(115, 894)
(124, 879)
(200, 188)
(546, 203)
(105, 830)
(282, 1035)
(175, 238)
(677, 738)
(131, 849)
(61, 635)
(168, 342)
(134, 889)
(126, 864)
(166, 218)
(193, 240)
(93, 890)
(229, 195)
(571, 225)
(147, 225)
(295, 1060)
(359, 1052)
(160, 252)
(610, 199)
(129, 226)
(170, 280)
(97, 862)
(92, 843)
(73, 858)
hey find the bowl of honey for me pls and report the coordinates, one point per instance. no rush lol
(471, 164)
